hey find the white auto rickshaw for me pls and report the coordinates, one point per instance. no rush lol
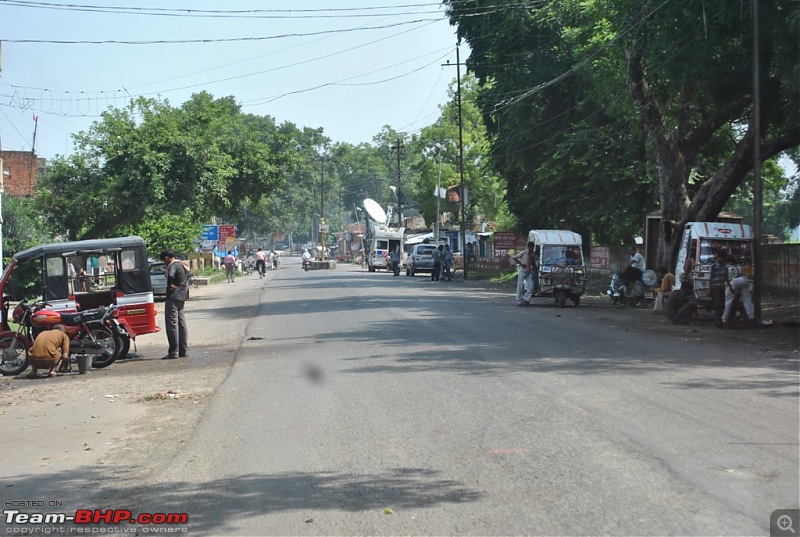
(561, 267)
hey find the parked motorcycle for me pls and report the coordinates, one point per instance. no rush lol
(640, 293)
(95, 332)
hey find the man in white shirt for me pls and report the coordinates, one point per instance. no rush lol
(635, 267)
(526, 264)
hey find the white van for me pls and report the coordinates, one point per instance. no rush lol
(384, 241)
(701, 242)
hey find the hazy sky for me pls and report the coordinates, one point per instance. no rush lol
(348, 66)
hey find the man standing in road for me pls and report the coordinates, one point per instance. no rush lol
(394, 259)
(230, 266)
(447, 263)
(177, 290)
(526, 263)
(718, 283)
(438, 257)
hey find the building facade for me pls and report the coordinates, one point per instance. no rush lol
(20, 171)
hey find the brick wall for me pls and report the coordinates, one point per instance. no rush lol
(23, 167)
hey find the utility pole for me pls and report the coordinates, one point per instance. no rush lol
(463, 193)
(322, 205)
(399, 151)
(758, 200)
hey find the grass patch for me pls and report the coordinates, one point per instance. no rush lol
(504, 277)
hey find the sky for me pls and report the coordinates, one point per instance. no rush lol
(348, 66)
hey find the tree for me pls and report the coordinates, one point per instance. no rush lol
(593, 103)
(200, 160)
(437, 149)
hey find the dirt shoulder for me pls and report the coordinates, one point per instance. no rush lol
(781, 336)
(115, 418)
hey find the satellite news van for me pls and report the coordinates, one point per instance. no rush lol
(382, 239)
(701, 242)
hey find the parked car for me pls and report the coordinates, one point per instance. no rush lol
(158, 278)
(420, 259)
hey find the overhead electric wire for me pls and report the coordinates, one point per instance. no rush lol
(212, 40)
(343, 81)
(190, 12)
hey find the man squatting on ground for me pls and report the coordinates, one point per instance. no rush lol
(49, 348)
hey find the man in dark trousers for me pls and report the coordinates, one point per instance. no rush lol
(177, 291)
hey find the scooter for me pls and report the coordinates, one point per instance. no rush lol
(94, 332)
(306, 264)
(640, 293)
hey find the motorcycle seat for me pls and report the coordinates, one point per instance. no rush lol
(83, 316)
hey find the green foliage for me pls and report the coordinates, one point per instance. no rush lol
(600, 111)
(23, 228)
(177, 232)
(436, 157)
(203, 159)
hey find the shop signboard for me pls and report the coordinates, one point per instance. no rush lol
(226, 230)
(505, 240)
(210, 232)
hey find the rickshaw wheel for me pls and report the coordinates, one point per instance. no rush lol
(13, 356)
(125, 347)
(112, 344)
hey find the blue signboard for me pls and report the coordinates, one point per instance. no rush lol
(210, 233)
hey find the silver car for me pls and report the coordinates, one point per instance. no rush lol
(420, 259)
(158, 278)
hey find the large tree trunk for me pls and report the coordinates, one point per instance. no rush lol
(674, 164)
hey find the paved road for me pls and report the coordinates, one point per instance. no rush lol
(359, 393)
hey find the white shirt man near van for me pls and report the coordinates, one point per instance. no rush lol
(526, 263)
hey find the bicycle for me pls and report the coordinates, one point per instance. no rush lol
(192, 280)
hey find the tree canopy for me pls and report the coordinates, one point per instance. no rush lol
(600, 111)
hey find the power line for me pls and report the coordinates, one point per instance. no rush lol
(215, 40)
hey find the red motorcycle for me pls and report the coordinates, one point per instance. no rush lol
(95, 332)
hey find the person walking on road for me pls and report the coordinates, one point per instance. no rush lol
(230, 266)
(525, 262)
(261, 262)
(174, 319)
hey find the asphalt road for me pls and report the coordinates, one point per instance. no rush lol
(363, 404)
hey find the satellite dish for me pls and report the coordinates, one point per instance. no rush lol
(375, 211)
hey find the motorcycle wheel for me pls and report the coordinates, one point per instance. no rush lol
(13, 356)
(111, 344)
